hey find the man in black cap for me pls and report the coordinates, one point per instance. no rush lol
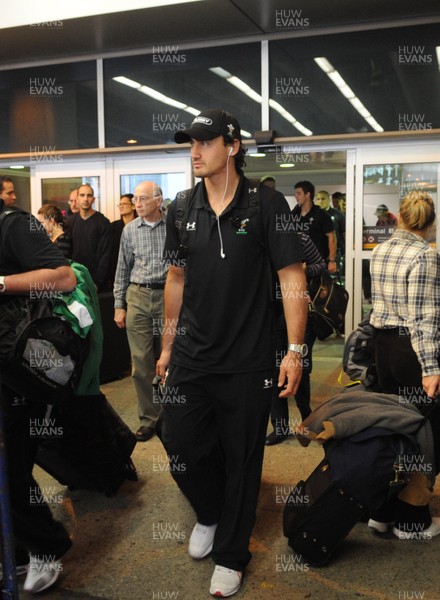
(217, 344)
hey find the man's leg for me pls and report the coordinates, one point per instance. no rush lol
(242, 404)
(142, 313)
(35, 529)
(190, 438)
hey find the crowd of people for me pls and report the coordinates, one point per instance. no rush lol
(235, 351)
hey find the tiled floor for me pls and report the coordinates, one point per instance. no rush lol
(133, 546)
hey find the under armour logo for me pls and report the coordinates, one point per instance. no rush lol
(191, 226)
(268, 383)
(254, 190)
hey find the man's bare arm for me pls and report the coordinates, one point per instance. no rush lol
(61, 279)
(173, 302)
(295, 304)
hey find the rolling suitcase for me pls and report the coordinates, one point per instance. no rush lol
(319, 515)
(89, 446)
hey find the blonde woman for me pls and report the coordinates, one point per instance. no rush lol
(405, 276)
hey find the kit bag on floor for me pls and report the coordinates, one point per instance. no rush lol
(328, 305)
(88, 446)
(359, 474)
(318, 516)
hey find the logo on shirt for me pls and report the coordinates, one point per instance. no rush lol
(254, 190)
(191, 226)
(268, 383)
(242, 227)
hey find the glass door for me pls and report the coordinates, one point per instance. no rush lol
(172, 174)
(384, 175)
(52, 184)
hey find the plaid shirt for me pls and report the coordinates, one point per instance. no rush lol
(405, 277)
(140, 257)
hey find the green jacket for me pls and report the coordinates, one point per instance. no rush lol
(81, 309)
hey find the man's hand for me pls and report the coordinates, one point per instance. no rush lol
(431, 385)
(290, 369)
(332, 267)
(120, 317)
(162, 363)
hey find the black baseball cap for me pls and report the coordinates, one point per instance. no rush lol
(208, 125)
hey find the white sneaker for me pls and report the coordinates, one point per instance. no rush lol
(412, 533)
(42, 573)
(379, 526)
(225, 582)
(201, 540)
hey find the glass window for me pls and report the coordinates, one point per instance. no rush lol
(170, 184)
(48, 108)
(366, 81)
(385, 185)
(57, 190)
(150, 97)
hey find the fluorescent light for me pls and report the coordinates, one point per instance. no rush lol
(156, 95)
(286, 165)
(16, 166)
(246, 89)
(337, 79)
(193, 111)
(359, 107)
(220, 72)
(437, 50)
(126, 81)
(144, 89)
(23, 12)
(324, 64)
(347, 92)
(283, 112)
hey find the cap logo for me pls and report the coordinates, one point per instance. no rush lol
(231, 130)
(203, 120)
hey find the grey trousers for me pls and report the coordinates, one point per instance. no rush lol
(144, 323)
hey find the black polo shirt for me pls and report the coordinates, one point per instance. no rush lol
(226, 320)
(25, 246)
(316, 224)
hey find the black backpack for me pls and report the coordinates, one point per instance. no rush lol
(328, 305)
(358, 357)
(41, 357)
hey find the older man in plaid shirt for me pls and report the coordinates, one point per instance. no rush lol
(138, 290)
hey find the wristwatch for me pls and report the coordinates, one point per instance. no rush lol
(300, 349)
(2, 284)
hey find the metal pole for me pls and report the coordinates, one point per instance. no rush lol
(10, 590)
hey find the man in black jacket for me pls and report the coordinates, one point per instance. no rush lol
(92, 241)
(29, 261)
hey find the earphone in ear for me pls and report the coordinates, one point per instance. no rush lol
(230, 151)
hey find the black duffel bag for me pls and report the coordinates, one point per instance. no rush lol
(41, 357)
(328, 305)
